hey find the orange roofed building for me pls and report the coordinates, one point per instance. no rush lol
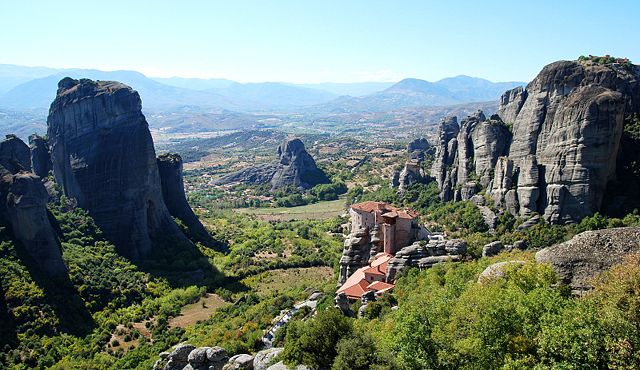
(368, 278)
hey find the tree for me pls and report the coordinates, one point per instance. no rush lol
(314, 343)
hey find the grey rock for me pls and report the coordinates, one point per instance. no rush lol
(103, 156)
(356, 253)
(178, 358)
(492, 249)
(496, 270)
(293, 167)
(578, 261)
(40, 158)
(520, 244)
(555, 142)
(281, 366)
(170, 170)
(511, 203)
(15, 155)
(410, 174)
(418, 147)
(529, 223)
(216, 355)
(24, 207)
(263, 358)
(425, 255)
(241, 361)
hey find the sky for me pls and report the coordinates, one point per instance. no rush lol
(309, 41)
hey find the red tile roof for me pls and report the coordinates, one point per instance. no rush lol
(380, 286)
(357, 284)
(371, 206)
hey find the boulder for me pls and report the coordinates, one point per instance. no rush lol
(103, 156)
(496, 270)
(281, 366)
(179, 357)
(263, 358)
(241, 361)
(492, 248)
(578, 261)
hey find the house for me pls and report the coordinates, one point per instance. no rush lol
(368, 278)
(393, 228)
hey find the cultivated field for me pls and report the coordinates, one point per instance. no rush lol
(316, 211)
(195, 312)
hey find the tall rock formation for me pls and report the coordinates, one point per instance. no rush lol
(40, 158)
(23, 206)
(467, 154)
(170, 169)
(103, 156)
(567, 127)
(14, 154)
(293, 167)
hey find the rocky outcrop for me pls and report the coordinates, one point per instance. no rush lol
(265, 357)
(578, 261)
(412, 172)
(241, 361)
(14, 154)
(356, 253)
(23, 205)
(294, 167)
(497, 270)
(425, 255)
(170, 170)
(417, 148)
(467, 154)
(188, 357)
(40, 158)
(567, 126)
(103, 156)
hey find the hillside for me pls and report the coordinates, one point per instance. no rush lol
(412, 92)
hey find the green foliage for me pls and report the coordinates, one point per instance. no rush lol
(315, 343)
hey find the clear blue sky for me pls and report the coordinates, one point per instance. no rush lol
(316, 41)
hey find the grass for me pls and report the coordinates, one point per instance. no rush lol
(317, 211)
(192, 313)
(279, 280)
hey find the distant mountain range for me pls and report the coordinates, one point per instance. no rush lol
(33, 88)
(412, 92)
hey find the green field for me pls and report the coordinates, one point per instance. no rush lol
(316, 211)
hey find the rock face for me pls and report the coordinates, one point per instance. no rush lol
(40, 158)
(263, 358)
(14, 154)
(170, 170)
(412, 172)
(425, 255)
(578, 261)
(356, 253)
(23, 205)
(467, 154)
(293, 167)
(103, 156)
(567, 126)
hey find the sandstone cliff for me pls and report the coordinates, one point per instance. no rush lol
(562, 155)
(40, 158)
(23, 207)
(170, 169)
(103, 156)
(14, 154)
(293, 167)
